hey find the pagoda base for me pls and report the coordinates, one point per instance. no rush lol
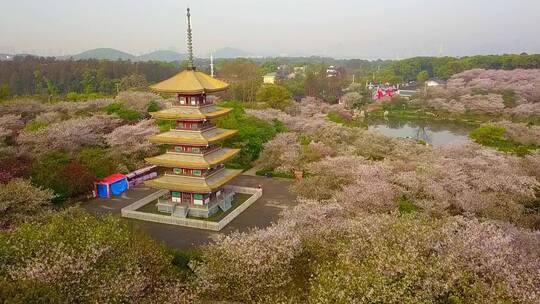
(222, 203)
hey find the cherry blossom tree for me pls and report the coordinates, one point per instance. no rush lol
(132, 139)
(19, 200)
(70, 135)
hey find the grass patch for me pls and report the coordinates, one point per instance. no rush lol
(272, 173)
(151, 208)
(35, 126)
(335, 117)
(239, 199)
(495, 137)
(344, 120)
(405, 206)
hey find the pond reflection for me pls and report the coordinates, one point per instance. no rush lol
(437, 133)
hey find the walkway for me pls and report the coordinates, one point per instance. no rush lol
(276, 197)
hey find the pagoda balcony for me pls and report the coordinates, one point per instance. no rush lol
(202, 127)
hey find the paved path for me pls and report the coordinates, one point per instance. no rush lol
(276, 197)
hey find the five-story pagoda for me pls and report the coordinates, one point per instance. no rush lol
(194, 172)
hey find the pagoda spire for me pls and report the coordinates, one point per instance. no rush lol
(191, 66)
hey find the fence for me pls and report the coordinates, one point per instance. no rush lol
(131, 211)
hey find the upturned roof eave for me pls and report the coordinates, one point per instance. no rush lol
(192, 165)
(176, 116)
(161, 139)
(182, 182)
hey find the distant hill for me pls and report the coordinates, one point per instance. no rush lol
(228, 52)
(167, 56)
(104, 53)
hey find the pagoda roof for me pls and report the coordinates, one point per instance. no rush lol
(205, 137)
(190, 112)
(193, 161)
(190, 81)
(194, 184)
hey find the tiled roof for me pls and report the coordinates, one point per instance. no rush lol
(193, 161)
(205, 137)
(190, 112)
(194, 184)
(190, 82)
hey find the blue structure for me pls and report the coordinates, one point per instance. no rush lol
(115, 184)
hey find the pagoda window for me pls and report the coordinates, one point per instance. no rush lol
(193, 101)
(179, 149)
(197, 172)
(196, 150)
(198, 199)
(195, 125)
(182, 100)
(177, 171)
(175, 197)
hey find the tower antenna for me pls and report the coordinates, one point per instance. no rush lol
(212, 64)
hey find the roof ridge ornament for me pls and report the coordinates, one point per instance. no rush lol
(190, 66)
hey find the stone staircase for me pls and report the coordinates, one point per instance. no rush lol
(180, 211)
(226, 203)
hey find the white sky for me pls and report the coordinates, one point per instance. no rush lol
(339, 28)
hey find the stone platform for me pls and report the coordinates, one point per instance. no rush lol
(131, 211)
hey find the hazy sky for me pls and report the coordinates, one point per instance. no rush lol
(340, 28)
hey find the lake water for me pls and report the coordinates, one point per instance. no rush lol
(433, 132)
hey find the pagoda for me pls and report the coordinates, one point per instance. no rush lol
(194, 171)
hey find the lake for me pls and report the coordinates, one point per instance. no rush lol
(437, 133)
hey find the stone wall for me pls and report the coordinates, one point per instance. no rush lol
(131, 211)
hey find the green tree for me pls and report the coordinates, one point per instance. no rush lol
(252, 134)
(276, 96)
(244, 76)
(422, 77)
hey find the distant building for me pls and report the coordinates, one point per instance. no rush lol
(270, 78)
(299, 70)
(331, 71)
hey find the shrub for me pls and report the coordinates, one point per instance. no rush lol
(509, 98)
(153, 106)
(272, 173)
(66, 177)
(72, 96)
(397, 103)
